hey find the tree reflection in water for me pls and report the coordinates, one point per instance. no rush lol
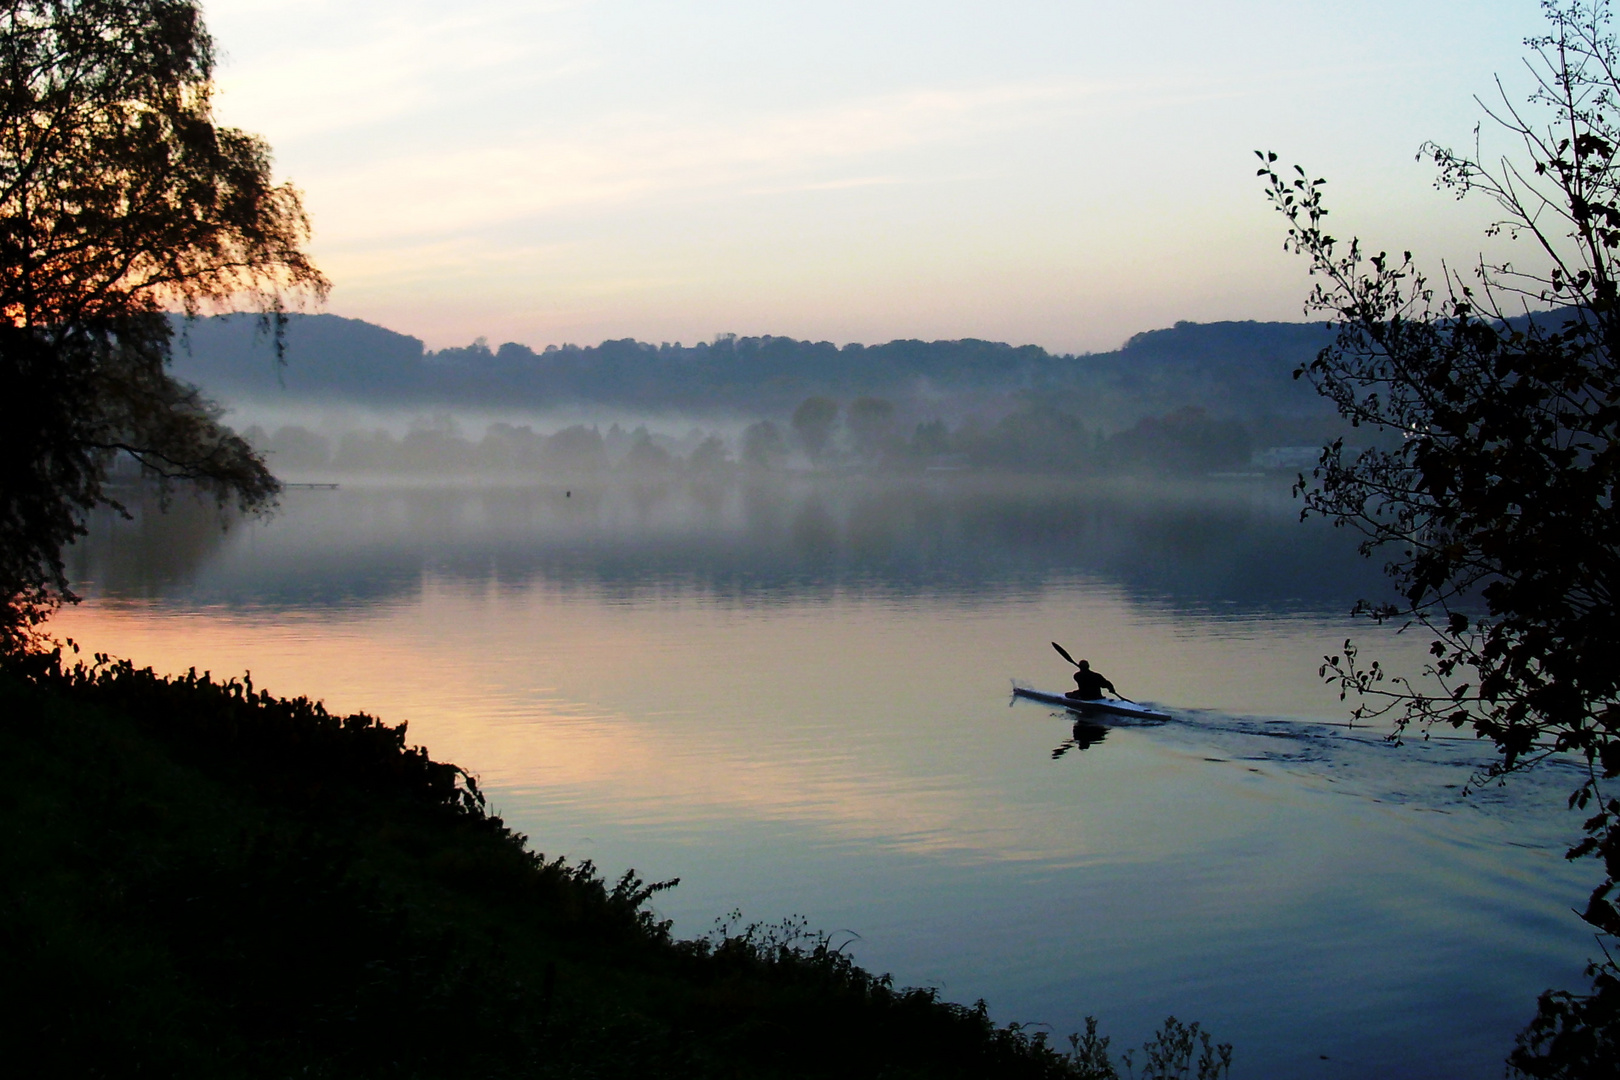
(1214, 548)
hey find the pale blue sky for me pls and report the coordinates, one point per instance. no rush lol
(1058, 173)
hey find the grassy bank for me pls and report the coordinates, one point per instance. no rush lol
(200, 879)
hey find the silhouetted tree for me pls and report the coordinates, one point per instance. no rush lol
(931, 438)
(510, 448)
(576, 450)
(1184, 441)
(813, 421)
(119, 197)
(1038, 438)
(1495, 506)
(710, 457)
(762, 445)
(646, 458)
(871, 423)
(434, 444)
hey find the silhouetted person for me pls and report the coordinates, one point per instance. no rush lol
(1088, 684)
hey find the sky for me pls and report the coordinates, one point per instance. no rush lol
(1063, 174)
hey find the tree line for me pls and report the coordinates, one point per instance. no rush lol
(1237, 368)
(865, 435)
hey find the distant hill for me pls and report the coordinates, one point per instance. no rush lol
(1230, 368)
(327, 356)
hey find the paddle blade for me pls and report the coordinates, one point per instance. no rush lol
(1065, 654)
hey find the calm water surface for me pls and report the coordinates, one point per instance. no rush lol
(796, 700)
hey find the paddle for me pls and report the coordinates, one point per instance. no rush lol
(1065, 654)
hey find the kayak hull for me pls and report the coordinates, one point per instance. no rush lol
(1092, 706)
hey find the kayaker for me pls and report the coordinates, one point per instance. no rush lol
(1089, 685)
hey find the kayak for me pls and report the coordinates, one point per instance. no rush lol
(1092, 705)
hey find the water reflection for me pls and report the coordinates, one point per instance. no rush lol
(793, 698)
(1231, 548)
(1087, 733)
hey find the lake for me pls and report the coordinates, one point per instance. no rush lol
(796, 699)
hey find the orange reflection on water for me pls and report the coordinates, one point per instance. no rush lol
(876, 720)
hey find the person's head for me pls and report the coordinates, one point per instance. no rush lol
(1085, 665)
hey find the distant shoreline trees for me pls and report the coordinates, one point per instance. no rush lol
(1230, 369)
(1033, 440)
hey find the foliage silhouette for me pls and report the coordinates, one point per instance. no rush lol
(1179, 1051)
(872, 425)
(813, 422)
(763, 446)
(1186, 440)
(1040, 438)
(119, 197)
(1496, 506)
(1573, 1035)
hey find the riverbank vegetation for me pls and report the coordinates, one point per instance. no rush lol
(203, 880)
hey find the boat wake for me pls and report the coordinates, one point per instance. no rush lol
(1442, 770)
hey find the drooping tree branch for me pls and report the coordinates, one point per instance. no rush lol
(120, 199)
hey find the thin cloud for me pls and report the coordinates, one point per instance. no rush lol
(391, 67)
(638, 158)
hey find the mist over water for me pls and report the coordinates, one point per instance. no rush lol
(793, 694)
(1227, 547)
